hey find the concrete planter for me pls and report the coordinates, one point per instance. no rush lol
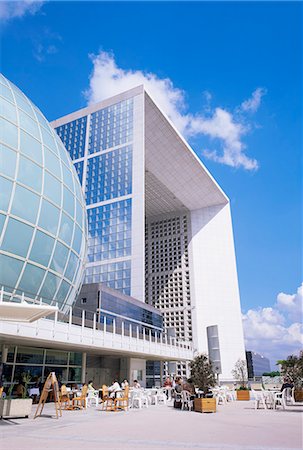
(15, 407)
(205, 405)
(243, 395)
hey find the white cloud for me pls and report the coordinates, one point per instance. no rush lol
(222, 125)
(270, 332)
(253, 103)
(107, 79)
(292, 304)
(16, 9)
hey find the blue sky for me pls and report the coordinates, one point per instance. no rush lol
(233, 76)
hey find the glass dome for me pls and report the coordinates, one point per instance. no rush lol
(42, 208)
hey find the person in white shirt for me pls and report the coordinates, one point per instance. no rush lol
(124, 384)
(114, 388)
(136, 384)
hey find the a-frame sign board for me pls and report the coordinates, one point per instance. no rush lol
(50, 385)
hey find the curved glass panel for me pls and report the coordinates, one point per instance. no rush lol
(40, 186)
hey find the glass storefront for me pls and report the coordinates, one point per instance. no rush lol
(39, 362)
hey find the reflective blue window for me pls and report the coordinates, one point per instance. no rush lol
(25, 197)
(6, 93)
(49, 217)
(30, 174)
(31, 279)
(109, 175)
(48, 139)
(51, 161)
(68, 201)
(62, 293)
(2, 220)
(79, 169)
(71, 267)
(6, 187)
(28, 124)
(17, 237)
(50, 286)
(9, 111)
(30, 147)
(115, 275)
(66, 229)
(73, 135)
(111, 126)
(42, 248)
(10, 269)
(9, 133)
(52, 188)
(8, 161)
(109, 229)
(60, 258)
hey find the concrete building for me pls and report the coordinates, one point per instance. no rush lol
(43, 240)
(159, 225)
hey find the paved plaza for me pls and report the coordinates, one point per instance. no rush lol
(235, 426)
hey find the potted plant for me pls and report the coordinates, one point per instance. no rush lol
(292, 370)
(203, 377)
(240, 374)
(17, 407)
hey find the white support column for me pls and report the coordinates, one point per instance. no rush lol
(83, 323)
(104, 324)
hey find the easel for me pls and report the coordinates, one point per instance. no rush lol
(51, 384)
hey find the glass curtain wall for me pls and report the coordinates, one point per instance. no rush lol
(39, 362)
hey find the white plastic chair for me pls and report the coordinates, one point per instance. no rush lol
(186, 401)
(161, 397)
(139, 400)
(92, 397)
(259, 398)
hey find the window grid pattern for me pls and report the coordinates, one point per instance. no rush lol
(79, 169)
(167, 274)
(41, 203)
(109, 229)
(116, 275)
(73, 135)
(39, 362)
(109, 175)
(111, 126)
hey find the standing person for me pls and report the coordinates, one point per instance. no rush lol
(136, 384)
(114, 388)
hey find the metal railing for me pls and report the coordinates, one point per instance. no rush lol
(104, 321)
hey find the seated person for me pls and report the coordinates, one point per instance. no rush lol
(114, 388)
(90, 386)
(167, 383)
(188, 386)
(286, 384)
(178, 385)
(136, 384)
(20, 389)
(124, 384)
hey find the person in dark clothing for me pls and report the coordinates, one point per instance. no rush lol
(286, 384)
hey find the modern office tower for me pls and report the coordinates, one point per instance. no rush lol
(159, 225)
(257, 364)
